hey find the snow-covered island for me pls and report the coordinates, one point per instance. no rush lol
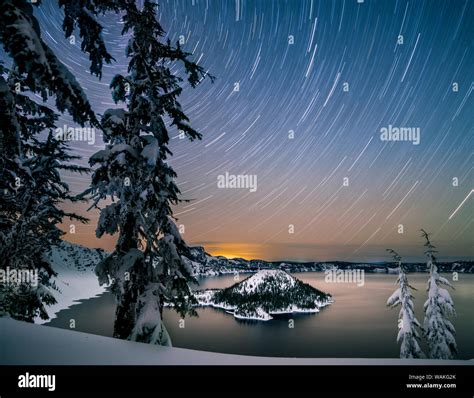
(266, 293)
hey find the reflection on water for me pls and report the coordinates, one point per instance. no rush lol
(356, 325)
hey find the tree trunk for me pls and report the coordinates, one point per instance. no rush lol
(125, 315)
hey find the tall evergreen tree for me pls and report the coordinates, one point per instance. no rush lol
(408, 335)
(146, 268)
(31, 191)
(29, 167)
(438, 307)
(31, 188)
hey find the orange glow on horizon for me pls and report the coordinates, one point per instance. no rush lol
(247, 251)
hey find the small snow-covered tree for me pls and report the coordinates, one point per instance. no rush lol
(439, 331)
(408, 325)
(31, 191)
(146, 268)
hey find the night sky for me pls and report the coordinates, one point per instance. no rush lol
(317, 81)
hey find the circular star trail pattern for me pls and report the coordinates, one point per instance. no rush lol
(302, 90)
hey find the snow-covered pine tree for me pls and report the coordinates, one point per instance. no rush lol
(408, 325)
(439, 331)
(42, 71)
(29, 168)
(146, 268)
(31, 191)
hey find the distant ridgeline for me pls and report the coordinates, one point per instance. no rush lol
(204, 264)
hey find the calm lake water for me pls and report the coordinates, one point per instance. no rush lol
(356, 325)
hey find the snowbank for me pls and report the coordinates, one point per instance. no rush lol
(28, 344)
(76, 279)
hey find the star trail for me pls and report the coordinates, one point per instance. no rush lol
(303, 90)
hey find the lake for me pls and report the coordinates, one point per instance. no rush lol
(356, 325)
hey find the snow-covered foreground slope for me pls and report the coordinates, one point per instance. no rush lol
(28, 344)
(266, 293)
(76, 279)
